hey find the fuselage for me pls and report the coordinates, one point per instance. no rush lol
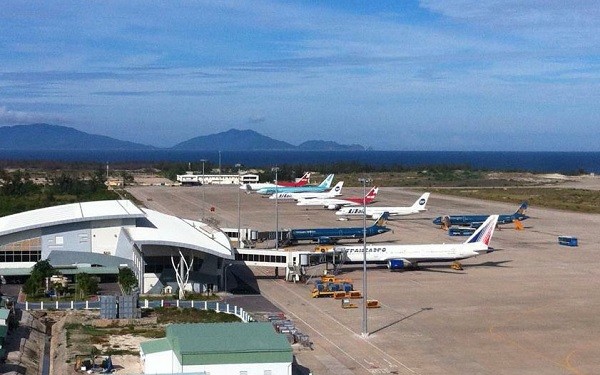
(334, 234)
(376, 211)
(291, 189)
(471, 219)
(333, 203)
(383, 252)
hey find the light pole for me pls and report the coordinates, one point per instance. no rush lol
(365, 331)
(276, 169)
(203, 197)
(225, 276)
(239, 215)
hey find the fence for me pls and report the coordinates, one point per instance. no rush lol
(144, 303)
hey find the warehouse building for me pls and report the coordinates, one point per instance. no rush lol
(101, 237)
(218, 349)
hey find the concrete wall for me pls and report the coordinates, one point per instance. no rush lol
(167, 363)
(68, 237)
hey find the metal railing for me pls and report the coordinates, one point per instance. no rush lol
(143, 303)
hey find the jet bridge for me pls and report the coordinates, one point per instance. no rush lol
(294, 262)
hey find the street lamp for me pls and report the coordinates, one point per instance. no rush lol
(365, 332)
(225, 276)
(203, 198)
(239, 215)
(276, 169)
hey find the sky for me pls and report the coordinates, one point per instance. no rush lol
(429, 75)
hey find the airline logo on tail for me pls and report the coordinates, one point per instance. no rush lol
(380, 222)
(421, 202)
(304, 179)
(338, 187)
(484, 233)
(372, 193)
(327, 182)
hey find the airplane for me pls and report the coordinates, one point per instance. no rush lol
(298, 189)
(418, 206)
(333, 235)
(301, 182)
(334, 192)
(409, 256)
(336, 203)
(475, 220)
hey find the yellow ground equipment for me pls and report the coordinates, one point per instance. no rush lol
(323, 248)
(456, 266)
(518, 225)
(346, 304)
(373, 304)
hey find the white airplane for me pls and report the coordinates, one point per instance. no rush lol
(407, 256)
(334, 192)
(374, 212)
(261, 185)
(336, 203)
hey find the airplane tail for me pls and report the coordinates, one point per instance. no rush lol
(420, 203)
(380, 222)
(303, 180)
(372, 193)
(485, 231)
(326, 182)
(336, 190)
(522, 208)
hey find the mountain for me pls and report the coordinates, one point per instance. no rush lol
(249, 140)
(54, 137)
(234, 140)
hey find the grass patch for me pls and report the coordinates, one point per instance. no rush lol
(576, 200)
(189, 315)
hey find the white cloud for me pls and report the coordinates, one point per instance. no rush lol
(10, 117)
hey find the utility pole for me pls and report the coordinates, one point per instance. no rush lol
(276, 169)
(203, 182)
(365, 331)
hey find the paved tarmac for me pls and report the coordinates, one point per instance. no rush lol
(531, 307)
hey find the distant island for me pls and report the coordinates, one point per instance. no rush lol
(63, 138)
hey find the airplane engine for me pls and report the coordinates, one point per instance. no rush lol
(333, 207)
(398, 264)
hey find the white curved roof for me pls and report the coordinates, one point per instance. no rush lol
(166, 230)
(69, 213)
(173, 231)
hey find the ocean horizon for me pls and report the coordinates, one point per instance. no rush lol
(541, 162)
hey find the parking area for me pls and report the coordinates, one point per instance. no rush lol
(530, 307)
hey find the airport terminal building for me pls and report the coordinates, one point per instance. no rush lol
(101, 237)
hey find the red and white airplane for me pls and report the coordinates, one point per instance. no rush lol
(336, 203)
(300, 182)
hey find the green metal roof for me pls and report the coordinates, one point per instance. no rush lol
(217, 343)
(155, 346)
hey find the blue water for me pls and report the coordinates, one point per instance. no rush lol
(562, 162)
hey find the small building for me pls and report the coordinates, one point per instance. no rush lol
(194, 178)
(218, 349)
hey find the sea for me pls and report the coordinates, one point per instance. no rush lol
(540, 162)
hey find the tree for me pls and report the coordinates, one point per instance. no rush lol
(127, 280)
(39, 273)
(86, 285)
